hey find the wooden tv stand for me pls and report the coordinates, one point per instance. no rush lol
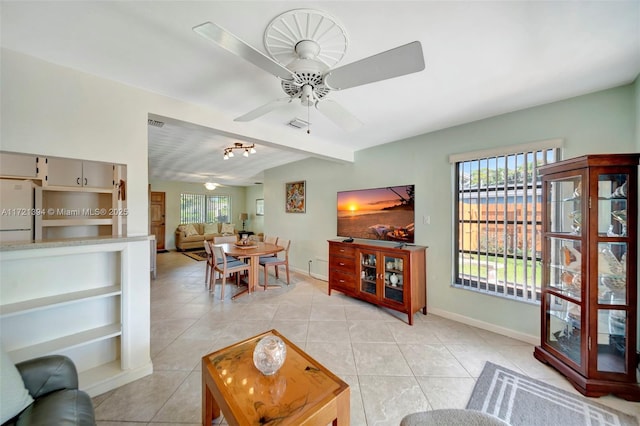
(381, 273)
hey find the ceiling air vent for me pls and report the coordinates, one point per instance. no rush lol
(298, 123)
(154, 123)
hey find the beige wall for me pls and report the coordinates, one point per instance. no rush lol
(255, 223)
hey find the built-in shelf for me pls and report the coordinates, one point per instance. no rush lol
(86, 297)
(41, 303)
(66, 342)
(78, 189)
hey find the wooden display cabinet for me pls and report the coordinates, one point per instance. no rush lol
(589, 290)
(389, 276)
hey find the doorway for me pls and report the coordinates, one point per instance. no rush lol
(157, 209)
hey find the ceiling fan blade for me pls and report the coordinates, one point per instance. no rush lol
(402, 60)
(340, 116)
(233, 44)
(262, 110)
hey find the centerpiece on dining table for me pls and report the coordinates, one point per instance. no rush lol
(245, 242)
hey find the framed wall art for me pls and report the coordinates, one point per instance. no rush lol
(260, 207)
(295, 197)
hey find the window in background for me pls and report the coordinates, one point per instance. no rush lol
(196, 208)
(498, 221)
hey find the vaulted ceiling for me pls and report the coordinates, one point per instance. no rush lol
(482, 59)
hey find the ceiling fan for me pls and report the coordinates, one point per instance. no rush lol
(305, 45)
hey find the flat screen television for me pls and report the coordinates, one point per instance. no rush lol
(378, 213)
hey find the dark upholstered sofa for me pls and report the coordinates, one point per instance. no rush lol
(52, 382)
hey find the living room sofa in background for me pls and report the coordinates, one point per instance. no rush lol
(193, 235)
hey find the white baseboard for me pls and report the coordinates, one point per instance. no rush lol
(117, 380)
(528, 338)
(534, 340)
(306, 273)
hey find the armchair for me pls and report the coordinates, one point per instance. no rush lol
(52, 382)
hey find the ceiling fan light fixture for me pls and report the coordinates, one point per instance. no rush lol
(210, 185)
(304, 45)
(245, 153)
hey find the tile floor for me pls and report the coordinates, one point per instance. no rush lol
(393, 369)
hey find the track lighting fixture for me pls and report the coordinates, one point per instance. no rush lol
(248, 149)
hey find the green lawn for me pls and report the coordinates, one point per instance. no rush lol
(496, 263)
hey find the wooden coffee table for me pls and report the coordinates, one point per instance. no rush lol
(302, 392)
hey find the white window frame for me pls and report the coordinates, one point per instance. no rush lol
(485, 261)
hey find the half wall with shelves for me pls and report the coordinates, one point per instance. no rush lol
(83, 299)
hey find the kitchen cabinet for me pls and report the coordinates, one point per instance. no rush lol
(18, 165)
(79, 173)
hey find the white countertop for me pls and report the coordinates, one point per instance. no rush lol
(69, 242)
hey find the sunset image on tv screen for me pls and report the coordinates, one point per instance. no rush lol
(381, 213)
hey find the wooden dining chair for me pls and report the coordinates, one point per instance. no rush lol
(276, 261)
(225, 266)
(269, 240)
(210, 264)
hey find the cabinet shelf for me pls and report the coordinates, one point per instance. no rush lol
(27, 306)
(66, 342)
(91, 189)
(392, 287)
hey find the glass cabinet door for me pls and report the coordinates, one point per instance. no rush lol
(564, 206)
(368, 273)
(612, 275)
(564, 325)
(393, 278)
(565, 267)
(564, 286)
(612, 205)
(612, 272)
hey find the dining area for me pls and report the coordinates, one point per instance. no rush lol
(242, 260)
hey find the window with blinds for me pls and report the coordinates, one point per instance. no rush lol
(196, 208)
(499, 223)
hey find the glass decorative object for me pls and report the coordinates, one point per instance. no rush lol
(621, 216)
(269, 355)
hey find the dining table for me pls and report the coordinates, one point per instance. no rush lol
(252, 253)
